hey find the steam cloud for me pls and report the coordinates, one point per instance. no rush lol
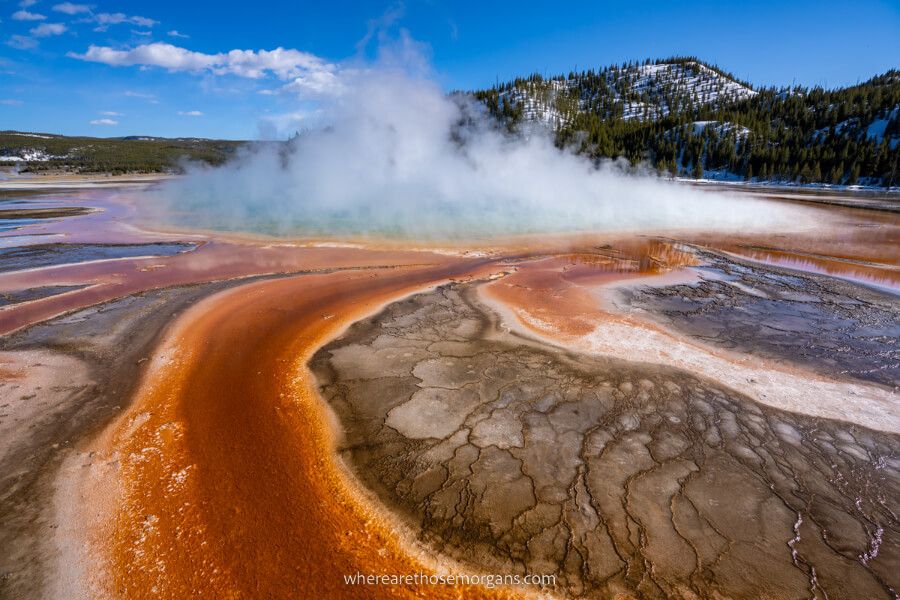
(395, 155)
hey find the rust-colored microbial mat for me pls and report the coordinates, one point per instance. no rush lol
(228, 485)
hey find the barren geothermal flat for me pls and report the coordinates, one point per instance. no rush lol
(651, 412)
(419, 300)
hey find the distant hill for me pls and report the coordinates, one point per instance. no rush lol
(37, 152)
(690, 118)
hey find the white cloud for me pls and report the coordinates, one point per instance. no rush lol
(72, 9)
(135, 32)
(27, 3)
(177, 34)
(110, 113)
(143, 21)
(104, 122)
(307, 71)
(157, 54)
(24, 15)
(48, 29)
(21, 42)
(11, 102)
(118, 18)
(284, 63)
(142, 95)
(190, 113)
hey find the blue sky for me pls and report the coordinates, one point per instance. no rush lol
(105, 68)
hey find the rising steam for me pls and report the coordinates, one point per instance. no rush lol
(394, 155)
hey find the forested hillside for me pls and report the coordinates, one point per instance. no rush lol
(689, 118)
(42, 152)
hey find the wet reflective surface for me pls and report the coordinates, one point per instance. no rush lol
(884, 276)
(836, 329)
(37, 256)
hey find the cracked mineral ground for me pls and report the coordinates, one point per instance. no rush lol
(511, 455)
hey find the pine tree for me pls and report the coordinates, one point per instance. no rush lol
(837, 173)
(697, 173)
(854, 174)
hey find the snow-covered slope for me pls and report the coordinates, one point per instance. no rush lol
(540, 101)
(721, 128)
(643, 92)
(661, 87)
(28, 155)
(875, 130)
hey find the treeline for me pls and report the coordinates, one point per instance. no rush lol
(111, 155)
(842, 136)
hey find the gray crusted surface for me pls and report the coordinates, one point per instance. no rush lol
(616, 476)
(821, 323)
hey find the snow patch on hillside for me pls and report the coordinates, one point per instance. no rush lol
(641, 92)
(874, 131)
(664, 85)
(878, 127)
(539, 102)
(721, 128)
(29, 155)
(32, 135)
